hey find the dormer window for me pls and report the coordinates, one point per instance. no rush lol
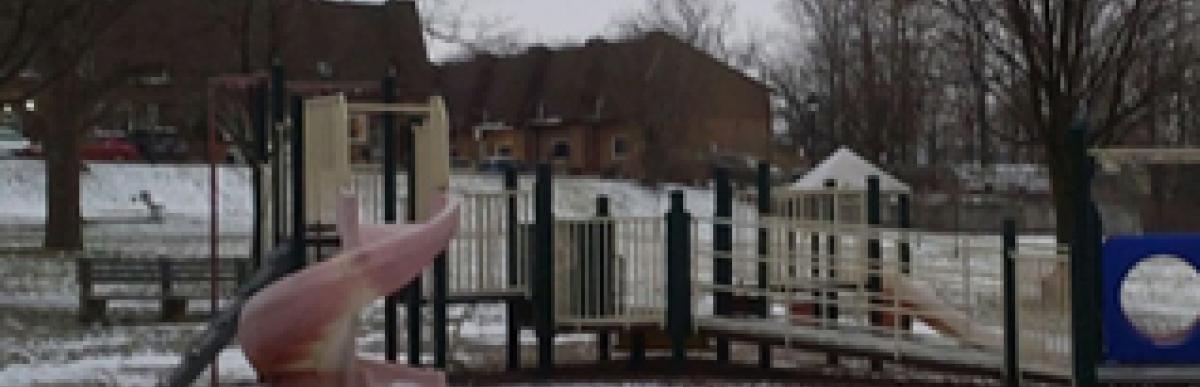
(324, 69)
(541, 117)
(598, 108)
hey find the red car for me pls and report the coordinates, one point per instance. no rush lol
(109, 149)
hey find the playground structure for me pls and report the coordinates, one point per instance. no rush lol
(835, 271)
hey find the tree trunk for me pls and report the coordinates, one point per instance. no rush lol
(1063, 189)
(63, 218)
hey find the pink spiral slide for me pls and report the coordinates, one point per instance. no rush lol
(299, 331)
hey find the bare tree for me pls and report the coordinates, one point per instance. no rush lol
(1053, 62)
(869, 66)
(704, 24)
(449, 21)
(70, 81)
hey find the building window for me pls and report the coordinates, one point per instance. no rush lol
(619, 148)
(324, 69)
(560, 149)
(598, 109)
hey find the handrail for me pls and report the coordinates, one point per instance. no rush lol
(201, 352)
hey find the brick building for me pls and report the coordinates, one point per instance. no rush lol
(648, 107)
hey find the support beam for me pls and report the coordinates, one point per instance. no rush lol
(259, 119)
(544, 268)
(1085, 333)
(874, 258)
(602, 276)
(513, 339)
(832, 240)
(764, 210)
(679, 285)
(299, 234)
(1012, 369)
(389, 204)
(412, 292)
(278, 112)
(722, 248)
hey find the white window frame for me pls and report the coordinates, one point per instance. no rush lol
(613, 147)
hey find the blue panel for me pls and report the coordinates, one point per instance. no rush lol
(1123, 342)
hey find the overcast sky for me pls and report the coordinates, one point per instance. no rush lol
(558, 21)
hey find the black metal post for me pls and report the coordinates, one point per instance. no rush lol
(722, 248)
(544, 268)
(440, 289)
(764, 210)
(390, 351)
(259, 117)
(413, 292)
(874, 281)
(513, 339)
(831, 247)
(679, 286)
(637, 349)
(278, 110)
(601, 273)
(1084, 263)
(1012, 373)
(904, 222)
(299, 234)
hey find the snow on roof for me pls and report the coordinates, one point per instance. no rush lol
(851, 171)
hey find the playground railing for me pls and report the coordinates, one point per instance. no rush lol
(609, 271)
(1043, 307)
(491, 251)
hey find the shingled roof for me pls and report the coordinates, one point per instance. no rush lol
(566, 82)
(349, 36)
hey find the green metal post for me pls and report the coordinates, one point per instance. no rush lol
(389, 204)
(679, 286)
(1012, 371)
(544, 268)
(722, 248)
(764, 211)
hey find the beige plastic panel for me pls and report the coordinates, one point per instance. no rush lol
(432, 156)
(326, 155)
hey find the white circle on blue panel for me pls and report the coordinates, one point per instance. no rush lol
(1160, 297)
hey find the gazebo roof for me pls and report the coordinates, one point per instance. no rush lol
(850, 171)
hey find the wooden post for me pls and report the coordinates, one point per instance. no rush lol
(602, 278)
(389, 204)
(764, 210)
(299, 235)
(874, 283)
(544, 268)
(1012, 371)
(679, 286)
(722, 248)
(513, 339)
